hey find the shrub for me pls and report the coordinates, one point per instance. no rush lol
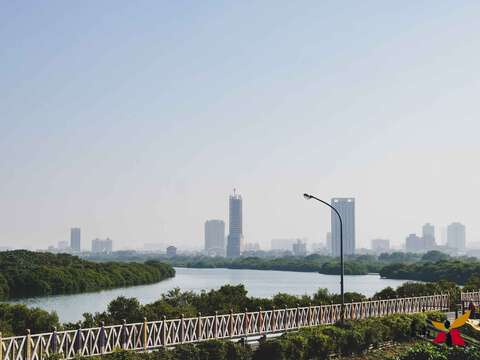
(424, 351)
(274, 350)
(319, 346)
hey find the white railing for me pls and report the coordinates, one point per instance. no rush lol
(473, 296)
(149, 335)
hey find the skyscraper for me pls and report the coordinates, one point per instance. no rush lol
(235, 225)
(215, 237)
(456, 236)
(428, 234)
(346, 208)
(75, 239)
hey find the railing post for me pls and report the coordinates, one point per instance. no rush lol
(182, 328)
(1, 346)
(310, 314)
(297, 317)
(54, 340)
(164, 331)
(145, 334)
(273, 321)
(101, 337)
(215, 325)
(232, 325)
(123, 334)
(260, 320)
(28, 348)
(245, 322)
(285, 318)
(78, 345)
(199, 326)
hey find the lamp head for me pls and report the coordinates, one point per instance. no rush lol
(307, 196)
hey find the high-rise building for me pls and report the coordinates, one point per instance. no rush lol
(75, 239)
(414, 243)
(346, 208)
(102, 245)
(299, 248)
(215, 237)
(456, 236)
(380, 245)
(428, 231)
(235, 226)
(428, 235)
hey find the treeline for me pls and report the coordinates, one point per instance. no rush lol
(458, 271)
(24, 273)
(353, 265)
(351, 338)
(358, 265)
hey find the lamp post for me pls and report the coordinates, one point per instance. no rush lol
(308, 197)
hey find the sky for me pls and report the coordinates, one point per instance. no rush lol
(135, 120)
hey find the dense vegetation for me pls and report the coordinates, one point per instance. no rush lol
(15, 319)
(314, 343)
(354, 265)
(428, 351)
(24, 273)
(458, 271)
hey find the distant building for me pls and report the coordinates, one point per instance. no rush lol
(319, 248)
(235, 236)
(153, 247)
(428, 234)
(299, 248)
(75, 245)
(380, 245)
(63, 246)
(215, 237)
(329, 242)
(102, 245)
(171, 251)
(346, 208)
(414, 243)
(456, 237)
(252, 247)
(282, 244)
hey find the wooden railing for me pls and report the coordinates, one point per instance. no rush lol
(149, 335)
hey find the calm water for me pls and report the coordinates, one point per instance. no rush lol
(258, 283)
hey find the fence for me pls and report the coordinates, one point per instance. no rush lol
(149, 335)
(473, 296)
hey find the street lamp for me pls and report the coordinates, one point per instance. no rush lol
(308, 197)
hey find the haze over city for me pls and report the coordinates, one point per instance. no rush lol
(135, 121)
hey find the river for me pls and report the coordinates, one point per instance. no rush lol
(259, 283)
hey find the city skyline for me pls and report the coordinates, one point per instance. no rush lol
(132, 122)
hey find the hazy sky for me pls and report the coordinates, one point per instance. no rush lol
(136, 119)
